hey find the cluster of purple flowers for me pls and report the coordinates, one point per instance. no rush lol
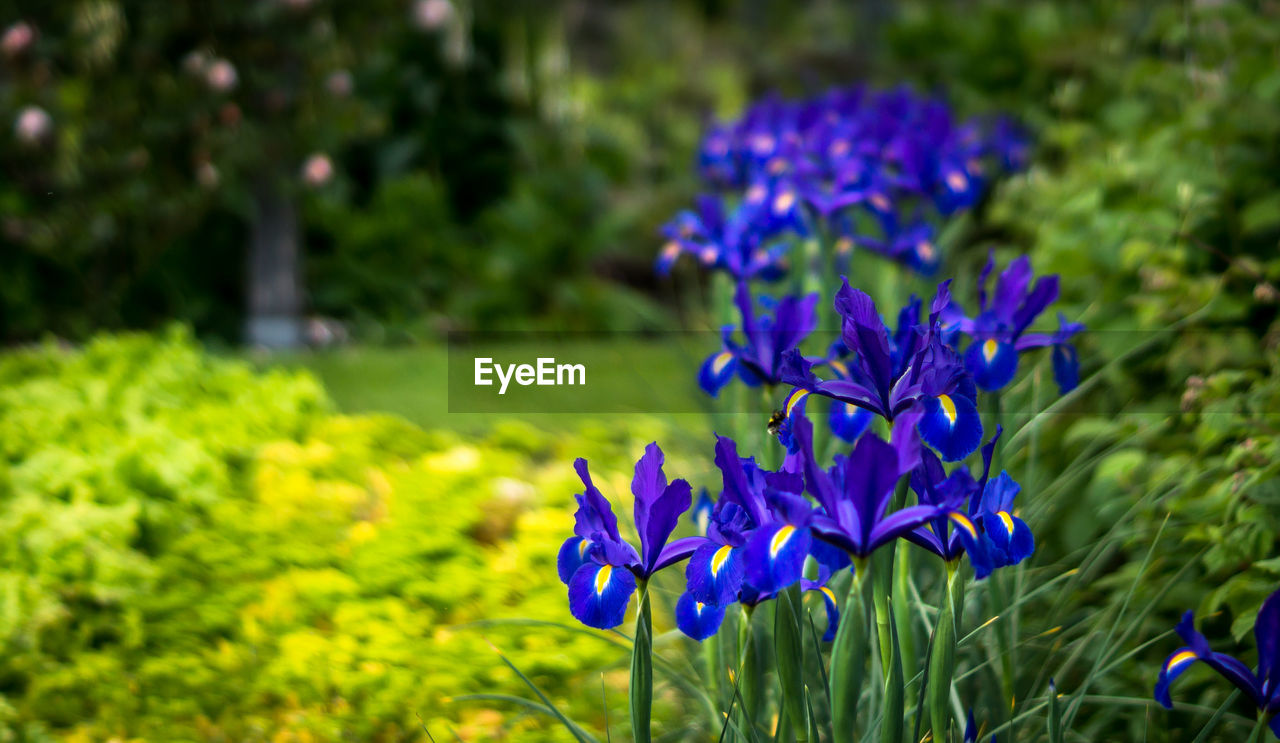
(767, 525)
(872, 169)
(854, 168)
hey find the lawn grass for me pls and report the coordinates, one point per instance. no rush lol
(412, 382)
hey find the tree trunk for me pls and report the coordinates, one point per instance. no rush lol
(275, 270)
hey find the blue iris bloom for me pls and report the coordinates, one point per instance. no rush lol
(952, 533)
(1006, 539)
(729, 241)
(600, 568)
(768, 338)
(971, 731)
(854, 495)
(913, 247)
(999, 329)
(757, 544)
(913, 375)
(1261, 686)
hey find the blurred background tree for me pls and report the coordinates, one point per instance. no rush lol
(405, 166)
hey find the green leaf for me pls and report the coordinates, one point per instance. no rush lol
(894, 691)
(1261, 214)
(1055, 716)
(789, 654)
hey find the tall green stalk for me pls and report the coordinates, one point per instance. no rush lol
(849, 657)
(891, 719)
(900, 601)
(1004, 642)
(642, 669)
(1259, 733)
(788, 643)
(942, 660)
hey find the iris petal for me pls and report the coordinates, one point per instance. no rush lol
(599, 594)
(573, 553)
(951, 425)
(1066, 367)
(775, 555)
(1174, 665)
(697, 619)
(849, 421)
(714, 574)
(992, 363)
(833, 613)
(716, 372)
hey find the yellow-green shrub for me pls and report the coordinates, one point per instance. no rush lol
(190, 550)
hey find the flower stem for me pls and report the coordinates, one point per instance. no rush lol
(943, 658)
(642, 668)
(849, 655)
(1259, 733)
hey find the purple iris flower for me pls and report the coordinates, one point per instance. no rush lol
(854, 495)
(757, 543)
(600, 568)
(1262, 686)
(768, 338)
(1006, 539)
(952, 532)
(1010, 145)
(913, 247)
(988, 531)
(999, 329)
(729, 241)
(912, 372)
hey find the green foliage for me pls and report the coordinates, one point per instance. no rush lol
(1153, 195)
(195, 551)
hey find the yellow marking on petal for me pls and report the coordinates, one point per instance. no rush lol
(948, 408)
(926, 250)
(708, 255)
(1186, 656)
(840, 148)
(844, 246)
(957, 181)
(783, 203)
(780, 539)
(1007, 520)
(989, 349)
(880, 201)
(828, 593)
(698, 605)
(721, 360)
(840, 367)
(719, 558)
(794, 399)
(964, 523)
(602, 578)
(582, 547)
(756, 194)
(777, 166)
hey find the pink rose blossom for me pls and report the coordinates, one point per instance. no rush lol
(33, 125)
(17, 38)
(317, 170)
(222, 76)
